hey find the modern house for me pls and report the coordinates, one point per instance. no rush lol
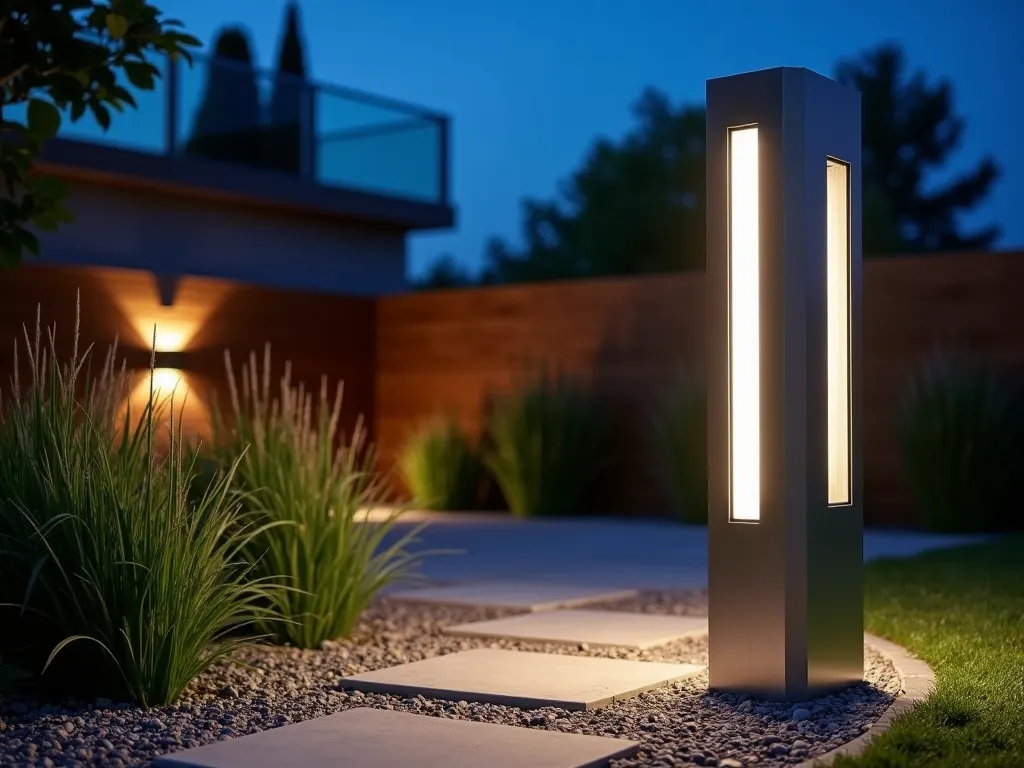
(209, 178)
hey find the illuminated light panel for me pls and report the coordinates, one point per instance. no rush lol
(837, 196)
(744, 333)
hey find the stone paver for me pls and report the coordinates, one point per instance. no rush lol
(637, 631)
(525, 680)
(523, 595)
(370, 738)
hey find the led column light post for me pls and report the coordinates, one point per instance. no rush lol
(784, 461)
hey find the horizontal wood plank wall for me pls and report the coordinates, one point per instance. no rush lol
(319, 334)
(913, 305)
(448, 351)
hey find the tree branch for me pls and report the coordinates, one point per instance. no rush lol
(15, 74)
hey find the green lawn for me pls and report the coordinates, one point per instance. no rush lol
(962, 611)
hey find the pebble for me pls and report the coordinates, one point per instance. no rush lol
(677, 725)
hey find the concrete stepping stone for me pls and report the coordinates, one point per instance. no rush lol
(633, 575)
(637, 631)
(522, 595)
(524, 680)
(374, 738)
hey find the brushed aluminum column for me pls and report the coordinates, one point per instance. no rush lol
(785, 566)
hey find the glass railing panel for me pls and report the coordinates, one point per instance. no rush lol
(142, 129)
(401, 158)
(339, 109)
(289, 125)
(229, 112)
(221, 112)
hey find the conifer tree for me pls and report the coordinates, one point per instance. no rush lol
(287, 127)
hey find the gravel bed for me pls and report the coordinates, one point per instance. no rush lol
(266, 687)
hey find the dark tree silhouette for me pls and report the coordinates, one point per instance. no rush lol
(635, 206)
(228, 122)
(445, 272)
(287, 127)
(910, 129)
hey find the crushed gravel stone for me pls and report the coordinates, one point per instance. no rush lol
(267, 687)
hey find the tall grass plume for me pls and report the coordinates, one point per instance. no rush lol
(440, 467)
(113, 581)
(309, 486)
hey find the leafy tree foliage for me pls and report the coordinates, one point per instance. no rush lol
(634, 206)
(66, 57)
(637, 205)
(910, 129)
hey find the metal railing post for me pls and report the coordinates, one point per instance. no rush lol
(445, 160)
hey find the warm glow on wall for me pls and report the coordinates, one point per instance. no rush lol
(744, 336)
(838, 312)
(167, 381)
(191, 412)
(172, 334)
(171, 339)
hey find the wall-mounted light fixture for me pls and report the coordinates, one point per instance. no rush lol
(169, 359)
(167, 287)
(784, 462)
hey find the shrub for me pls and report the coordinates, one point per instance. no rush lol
(545, 449)
(127, 586)
(307, 483)
(680, 442)
(440, 467)
(962, 432)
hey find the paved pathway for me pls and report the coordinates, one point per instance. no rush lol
(615, 553)
(581, 552)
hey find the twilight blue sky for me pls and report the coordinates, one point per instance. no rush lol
(531, 83)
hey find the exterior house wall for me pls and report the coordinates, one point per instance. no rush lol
(319, 336)
(162, 232)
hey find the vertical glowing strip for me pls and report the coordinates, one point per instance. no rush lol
(837, 196)
(744, 335)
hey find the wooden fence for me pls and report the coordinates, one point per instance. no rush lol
(405, 358)
(448, 351)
